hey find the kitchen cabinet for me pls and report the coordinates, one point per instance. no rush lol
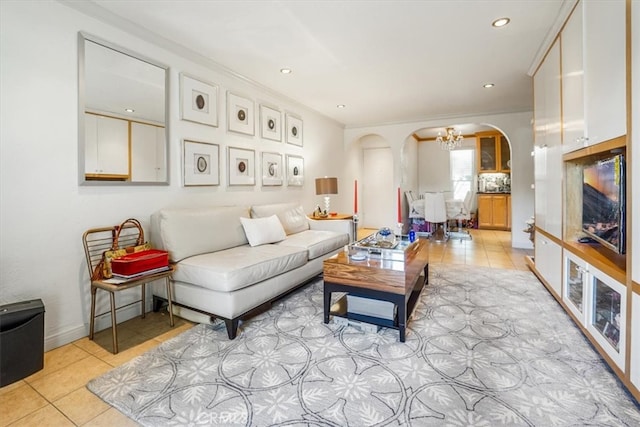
(593, 74)
(148, 153)
(493, 211)
(494, 154)
(106, 147)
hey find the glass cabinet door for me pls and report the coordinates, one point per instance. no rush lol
(505, 155)
(605, 316)
(606, 310)
(575, 285)
(488, 154)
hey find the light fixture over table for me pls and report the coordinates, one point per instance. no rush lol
(326, 186)
(450, 140)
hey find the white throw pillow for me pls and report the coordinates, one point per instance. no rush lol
(260, 231)
(294, 220)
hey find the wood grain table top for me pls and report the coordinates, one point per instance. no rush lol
(377, 273)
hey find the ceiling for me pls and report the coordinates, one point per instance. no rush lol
(386, 61)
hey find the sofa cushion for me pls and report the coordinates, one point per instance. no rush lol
(317, 242)
(239, 267)
(260, 231)
(291, 215)
(188, 232)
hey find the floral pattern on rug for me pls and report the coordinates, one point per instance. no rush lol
(485, 347)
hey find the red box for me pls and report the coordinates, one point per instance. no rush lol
(139, 262)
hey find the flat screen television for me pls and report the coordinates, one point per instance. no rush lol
(603, 201)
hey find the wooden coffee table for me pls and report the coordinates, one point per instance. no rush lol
(399, 282)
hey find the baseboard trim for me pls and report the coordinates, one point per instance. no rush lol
(103, 322)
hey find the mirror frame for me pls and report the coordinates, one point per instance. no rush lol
(82, 38)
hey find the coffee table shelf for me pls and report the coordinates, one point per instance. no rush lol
(341, 307)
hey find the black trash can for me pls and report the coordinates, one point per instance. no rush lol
(21, 340)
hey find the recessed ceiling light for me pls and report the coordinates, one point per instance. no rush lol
(500, 22)
(488, 85)
(129, 110)
(340, 106)
(285, 70)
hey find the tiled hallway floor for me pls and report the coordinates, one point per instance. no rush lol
(56, 395)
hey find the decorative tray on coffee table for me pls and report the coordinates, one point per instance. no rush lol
(372, 247)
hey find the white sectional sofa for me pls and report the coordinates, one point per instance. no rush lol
(232, 261)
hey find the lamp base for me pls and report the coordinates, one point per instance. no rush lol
(327, 202)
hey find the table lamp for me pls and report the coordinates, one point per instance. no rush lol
(326, 186)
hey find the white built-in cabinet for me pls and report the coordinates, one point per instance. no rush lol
(587, 111)
(635, 340)
(634, 205)
(573, 127)
(148, 153)
(599, 303)
(106, 145)
(594, 74)
(548, 261)
(548, 147)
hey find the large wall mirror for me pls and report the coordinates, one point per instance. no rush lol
(123, 107)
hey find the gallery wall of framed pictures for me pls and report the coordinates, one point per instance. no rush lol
(262, 153)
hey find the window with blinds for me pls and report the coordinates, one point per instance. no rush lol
(462, 171)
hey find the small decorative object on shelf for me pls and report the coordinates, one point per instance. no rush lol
(319, 213)
(385, 238)
(530, 228)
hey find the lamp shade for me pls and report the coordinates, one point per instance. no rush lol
(326, 186)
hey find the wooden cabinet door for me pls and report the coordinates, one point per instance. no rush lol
(509, 211)
(499, 211)
(505, 155)
(493, 211)
(485, 211)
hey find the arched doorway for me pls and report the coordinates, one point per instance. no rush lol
(432, 168)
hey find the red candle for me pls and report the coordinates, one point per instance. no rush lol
(355, 197)
(399, 208)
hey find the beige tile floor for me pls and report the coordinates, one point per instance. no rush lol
(56, 395)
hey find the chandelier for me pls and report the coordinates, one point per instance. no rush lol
(451, 140)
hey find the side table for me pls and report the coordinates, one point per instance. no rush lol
(344, 217)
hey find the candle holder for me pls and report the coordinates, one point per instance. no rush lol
(399, 229)
(355, 227)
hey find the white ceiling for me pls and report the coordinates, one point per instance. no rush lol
(387, 61)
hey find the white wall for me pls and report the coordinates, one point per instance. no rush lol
(434, 168)
(43, 211)
(515, 126)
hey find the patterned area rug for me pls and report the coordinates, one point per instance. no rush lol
(485, 347)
